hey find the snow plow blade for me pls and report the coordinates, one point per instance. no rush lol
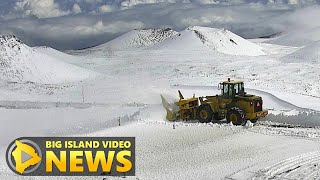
(171, 115)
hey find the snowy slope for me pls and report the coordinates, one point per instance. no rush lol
(138, 39)
(20, 63)
(308, 54)
(204, 38)
(57, 54)
(297, 38)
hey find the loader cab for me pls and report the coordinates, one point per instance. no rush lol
(230, 89)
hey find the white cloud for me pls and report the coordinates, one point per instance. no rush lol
(92, 1)
(105, 8)
(304, 18)
(101, 28)
(88, 28)
(204, 20)
(293, 1)
(39, 8)
(129, 3)
(76, 8)
(97, 28)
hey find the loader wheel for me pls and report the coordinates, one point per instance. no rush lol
(236, 116)
(204, 114)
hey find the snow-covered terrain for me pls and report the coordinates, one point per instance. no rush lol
(20, 63)
(128, 83)
(138, 38)
(298, 37)
(308, 54)
(197, 38)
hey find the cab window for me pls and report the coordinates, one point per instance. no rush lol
(237, 88)
(241, 88)
(225, 90)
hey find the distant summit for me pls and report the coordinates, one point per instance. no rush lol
(194, 38)
(212, 39)
(138, 38)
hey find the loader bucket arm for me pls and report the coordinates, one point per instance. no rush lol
(171, 115)
(180, 95)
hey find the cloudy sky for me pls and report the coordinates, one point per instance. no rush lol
(75, 24)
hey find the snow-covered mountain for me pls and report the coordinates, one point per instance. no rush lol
(297, 38)
(137, 39)
(205, 38)
(308, 54)
(21, 63)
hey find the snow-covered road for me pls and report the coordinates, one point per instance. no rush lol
(183, 150)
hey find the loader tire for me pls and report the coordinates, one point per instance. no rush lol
(204, 114)
(236, 116)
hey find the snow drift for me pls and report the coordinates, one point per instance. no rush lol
(138, 39)
(21, 63)
(308, 54)
(204, 38)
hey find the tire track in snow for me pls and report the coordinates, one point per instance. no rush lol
(305, 166)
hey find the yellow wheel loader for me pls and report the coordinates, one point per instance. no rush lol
(233, 103)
